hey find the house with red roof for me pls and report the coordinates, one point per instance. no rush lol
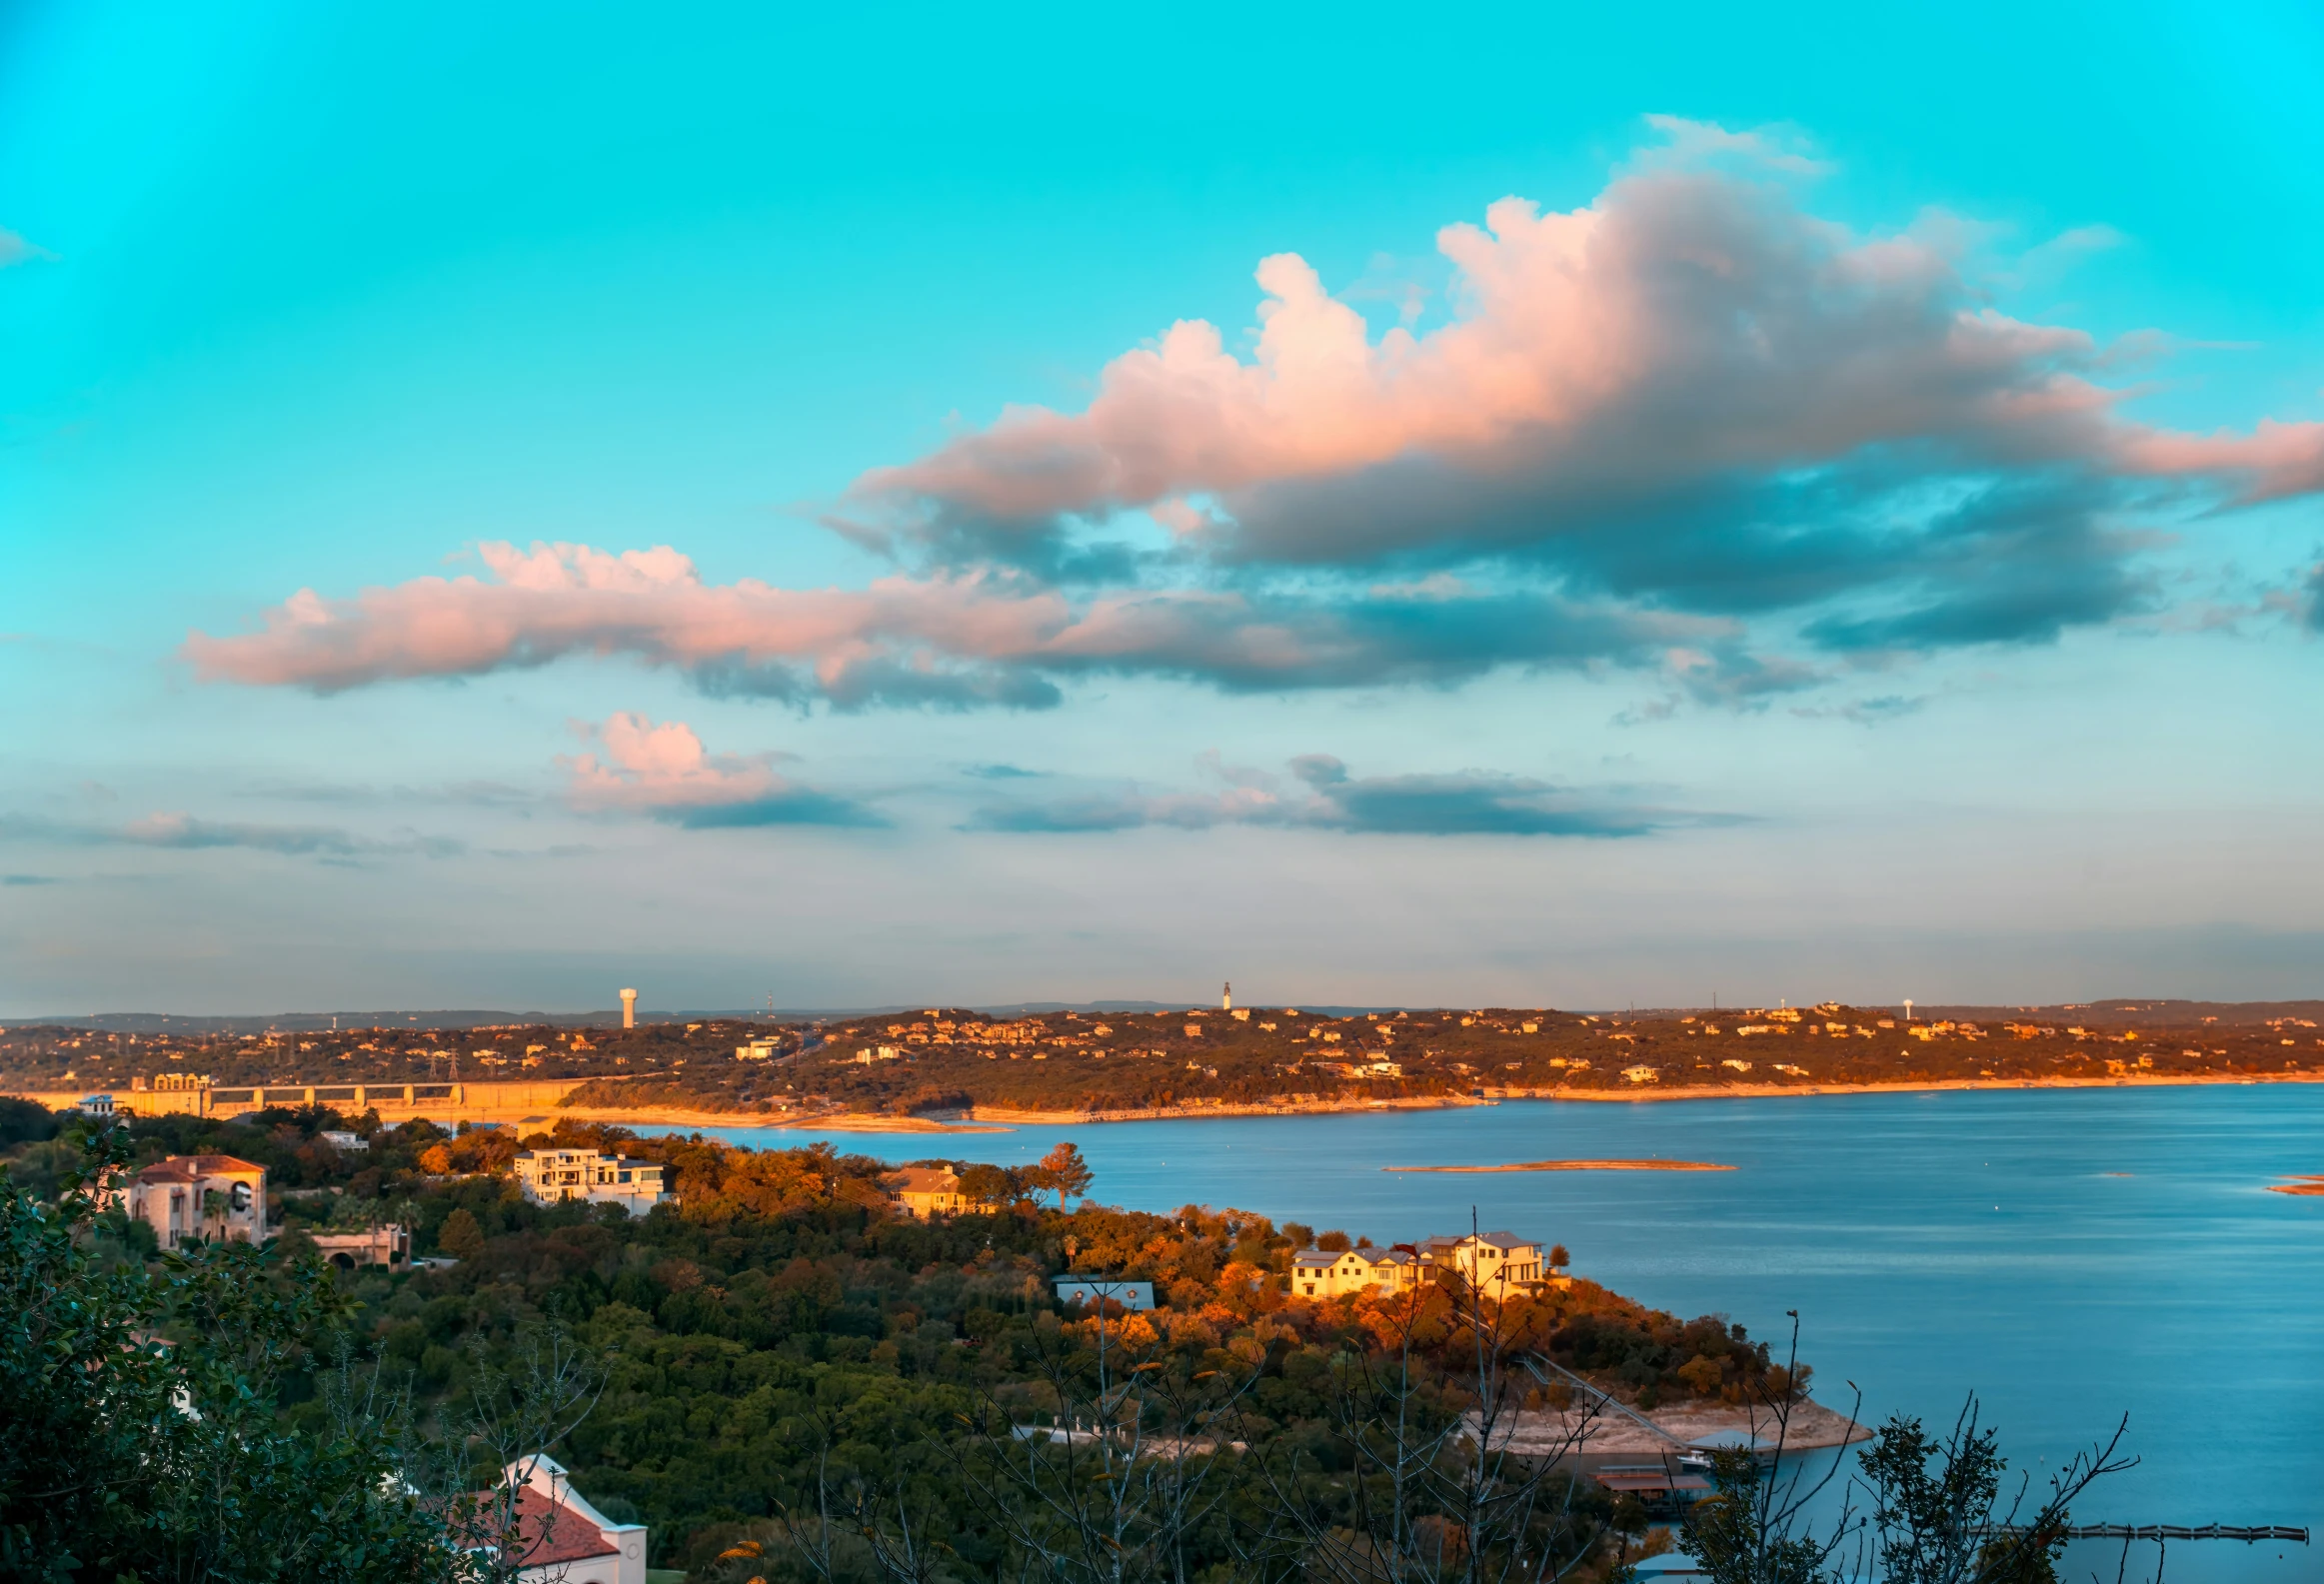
(555, 1535)
(209, 1198)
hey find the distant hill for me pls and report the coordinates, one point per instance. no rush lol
(2109, 1013)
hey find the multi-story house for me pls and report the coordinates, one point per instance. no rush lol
(1320, 1274)
(551, 1176)
(926, 1192)
(209, 1198)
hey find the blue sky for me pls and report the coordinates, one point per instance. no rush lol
(1855, 534)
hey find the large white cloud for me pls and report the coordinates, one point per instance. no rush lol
(1689, 427)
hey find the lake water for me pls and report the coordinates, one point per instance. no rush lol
(2070, 1256)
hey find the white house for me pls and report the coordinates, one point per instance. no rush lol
(560, 1538)
(551, 1176)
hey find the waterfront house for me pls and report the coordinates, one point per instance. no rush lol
(926, 1192)
(1490, 1262)
(1321, 1273)
(208, 1199)
(1494, 1262)
(551, 1176)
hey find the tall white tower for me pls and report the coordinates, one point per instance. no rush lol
(629, 1009)
(1227, 997)
(1908, 1008)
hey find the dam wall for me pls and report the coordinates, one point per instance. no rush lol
(395, 1103)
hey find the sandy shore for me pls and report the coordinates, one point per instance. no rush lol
(1745, 1092)
(1602, 1433)
(1579, 1165)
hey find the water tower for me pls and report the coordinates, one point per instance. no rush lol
(1226, 998)
(629, 1009)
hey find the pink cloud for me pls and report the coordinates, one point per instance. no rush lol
(1691, 324)
(972, 639)
(664, 772)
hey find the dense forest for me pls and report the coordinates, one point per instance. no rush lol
(941, 1062)
(781, 1333)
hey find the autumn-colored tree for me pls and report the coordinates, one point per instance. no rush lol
(1064, 1169)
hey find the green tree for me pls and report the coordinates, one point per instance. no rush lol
(460, 1236)
(127, 1457)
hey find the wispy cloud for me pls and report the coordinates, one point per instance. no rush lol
(184, 832)
(15, 249)
(1320, 793)
(663, 771)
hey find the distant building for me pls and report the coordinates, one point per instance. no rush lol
(210, 1199)
(1111, 1289)
(926, 1192)
(551, 1176)
(1320, 1274)
(755, 1050)
(344, 1141)
(559, 1537)
(381, 1246)
(95, 1106)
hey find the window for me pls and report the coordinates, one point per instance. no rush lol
(624, 1176)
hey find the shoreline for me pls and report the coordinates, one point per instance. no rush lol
(1003, 1119)
(996, 1119)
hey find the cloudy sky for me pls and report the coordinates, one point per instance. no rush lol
(1530, 508)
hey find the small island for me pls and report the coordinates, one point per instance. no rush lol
(1580, 1165)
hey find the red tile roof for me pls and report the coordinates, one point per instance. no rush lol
(185, 1168)
(549, 1532)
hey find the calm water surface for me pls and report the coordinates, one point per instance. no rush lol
(2070, 1256)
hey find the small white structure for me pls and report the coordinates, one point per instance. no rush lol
(551, 1176)
(629, 1009)
(559, 1538)
(344, 1141)
(94, 1106)
(1111, 1289)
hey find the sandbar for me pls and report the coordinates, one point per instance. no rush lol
(1580, 1165)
